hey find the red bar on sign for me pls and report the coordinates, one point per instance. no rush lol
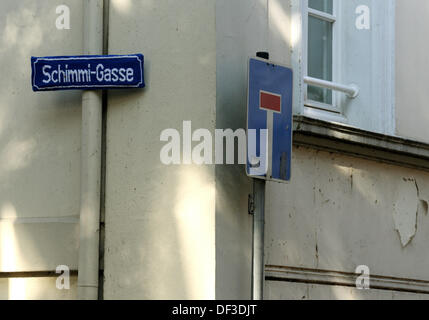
(270, 101)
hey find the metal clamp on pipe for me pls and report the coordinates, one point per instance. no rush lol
(351, 90)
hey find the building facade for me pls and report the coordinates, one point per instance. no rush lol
(359, 193)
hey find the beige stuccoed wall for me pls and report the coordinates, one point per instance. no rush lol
(160, 220)
(36, 288)
(338, 212)
(183, 231)
(341, 212)
(39, 150)
(308, 291)
(412, 65)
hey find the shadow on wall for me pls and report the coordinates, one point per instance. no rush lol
(39, 172)
(243, 28)
(160, 257)
(159, 219)
(39, 145)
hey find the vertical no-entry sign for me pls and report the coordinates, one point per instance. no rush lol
(269, 121)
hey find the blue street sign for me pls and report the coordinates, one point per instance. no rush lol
(269, 121)
(87, 72)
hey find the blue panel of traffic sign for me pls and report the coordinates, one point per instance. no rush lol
(87, 72)
(269, 119)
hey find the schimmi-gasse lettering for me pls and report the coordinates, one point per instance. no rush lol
(184, 310)
(65, 75)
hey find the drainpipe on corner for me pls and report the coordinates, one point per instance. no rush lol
(88, 266)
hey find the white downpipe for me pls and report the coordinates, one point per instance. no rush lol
(90, 162)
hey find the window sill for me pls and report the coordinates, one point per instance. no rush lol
(340, 138)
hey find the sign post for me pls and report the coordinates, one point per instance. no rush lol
(269, 146)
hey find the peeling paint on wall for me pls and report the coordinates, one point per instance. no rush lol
(407, 208)
(423, 207)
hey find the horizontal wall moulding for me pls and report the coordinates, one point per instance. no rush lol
(34, 274)
(338, 278)
(340, 138)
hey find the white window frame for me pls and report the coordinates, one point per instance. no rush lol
(336, 25)
(299, 46)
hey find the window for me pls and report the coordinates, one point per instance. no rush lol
(321, 23)
(344, 73)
